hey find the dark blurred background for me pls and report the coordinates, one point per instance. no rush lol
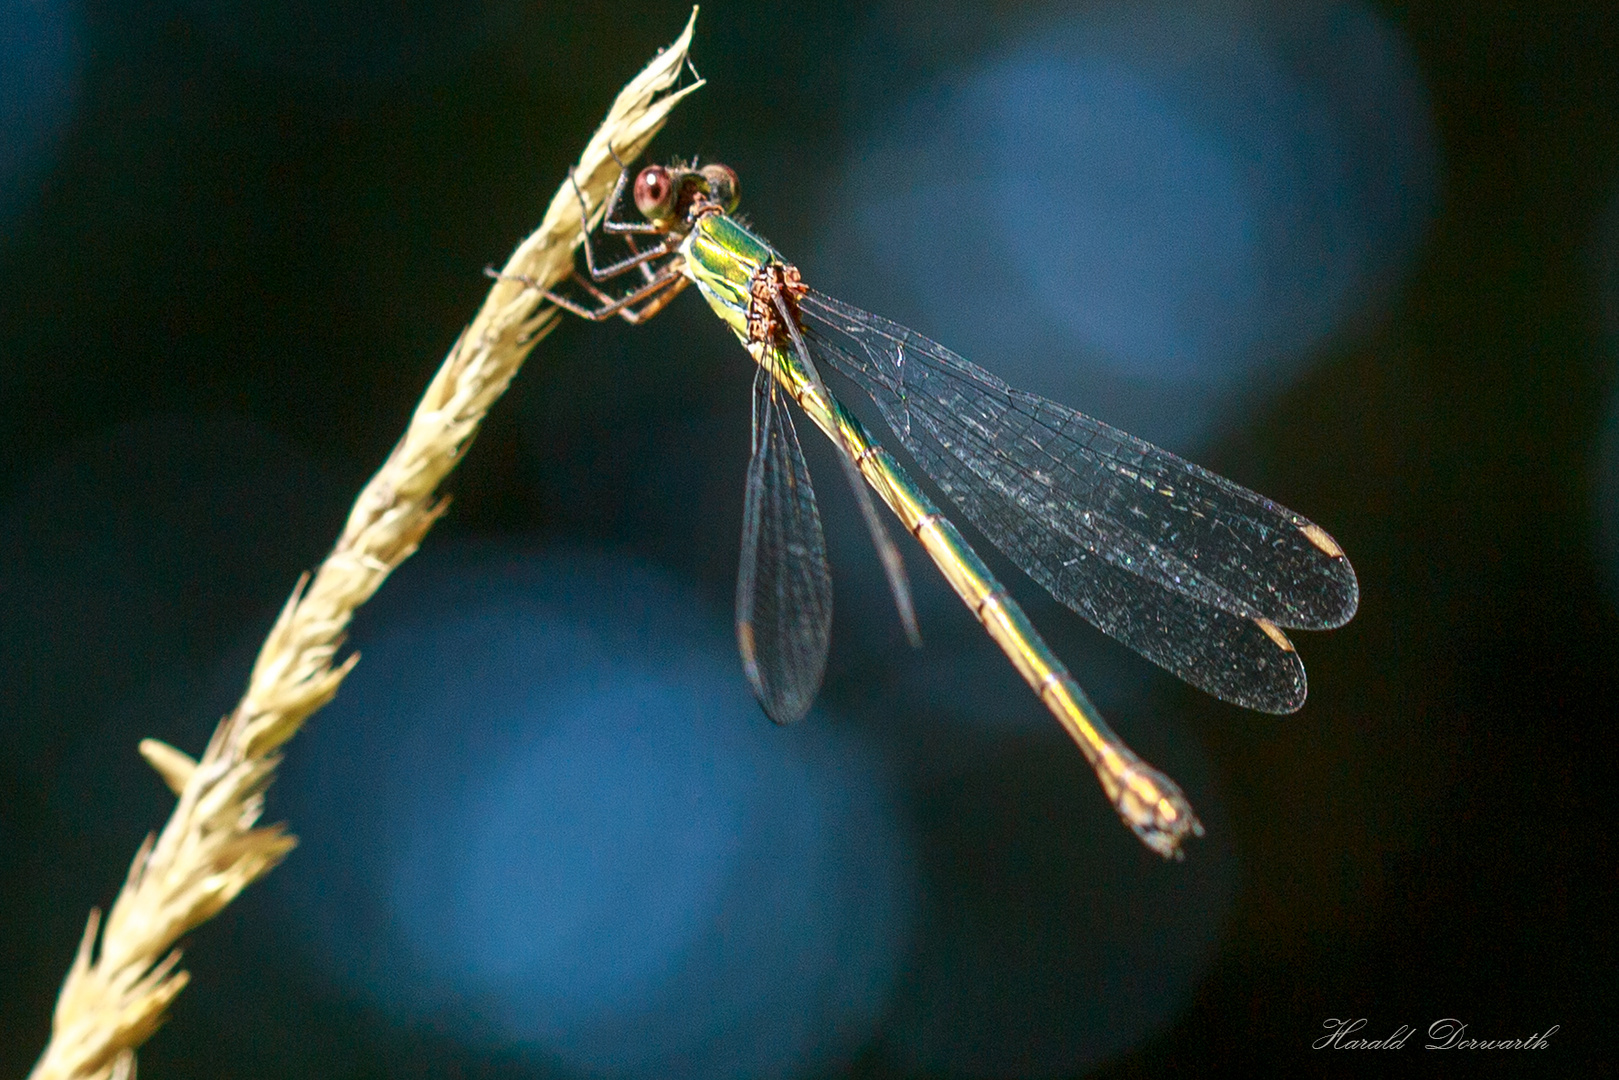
(1360, 256)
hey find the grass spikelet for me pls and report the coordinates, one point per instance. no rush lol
(212, 847)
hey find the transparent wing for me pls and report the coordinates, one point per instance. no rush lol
(1099, 517)
(899, 585)
(1247, 662)
(783, 586)
(1070, 479)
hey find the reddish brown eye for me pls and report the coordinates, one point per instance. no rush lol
(653, 188)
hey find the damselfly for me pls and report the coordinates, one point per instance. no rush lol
(1190, 570)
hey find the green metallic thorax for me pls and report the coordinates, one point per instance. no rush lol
(721, 257)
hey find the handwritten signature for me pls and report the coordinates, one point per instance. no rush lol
(1446, 1034)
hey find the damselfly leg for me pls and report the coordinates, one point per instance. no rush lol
(660, 285)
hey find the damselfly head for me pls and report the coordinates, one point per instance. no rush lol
(673, 195)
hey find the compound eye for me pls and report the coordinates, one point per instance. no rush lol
(654, 193)
(723, 186)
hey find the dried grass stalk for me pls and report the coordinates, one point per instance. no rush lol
(212, 848)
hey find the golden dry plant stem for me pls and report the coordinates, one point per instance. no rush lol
(211, 848)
